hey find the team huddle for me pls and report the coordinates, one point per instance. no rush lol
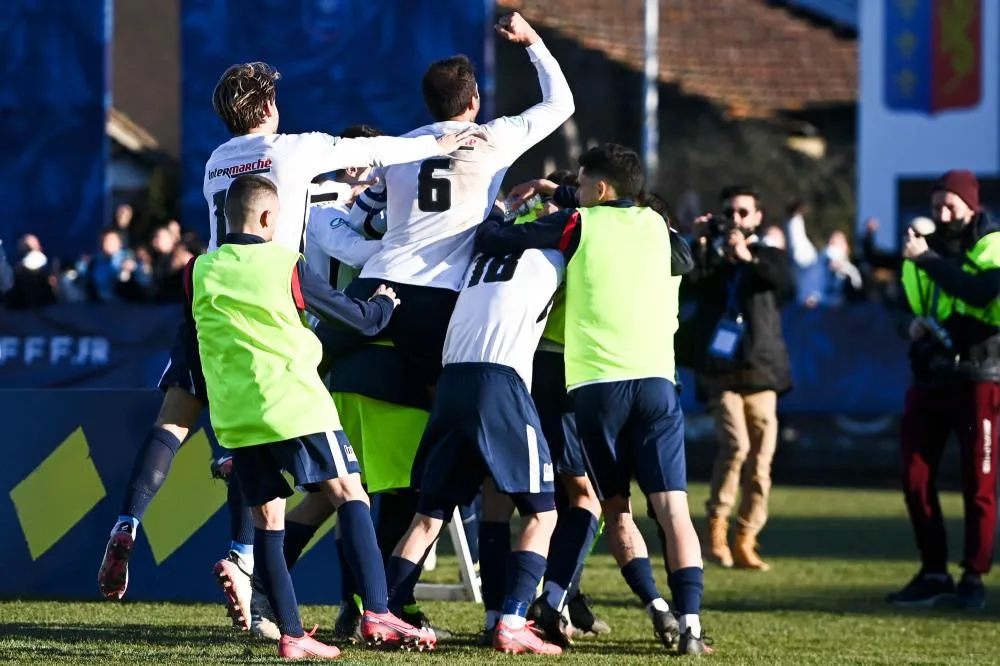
(431, 345)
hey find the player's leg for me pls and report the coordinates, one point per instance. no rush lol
(494, 542)
(603, 412)
(526, 566)
(178, 414)
(234, 572)
(655, 437)
(330, 455)
(264, 488)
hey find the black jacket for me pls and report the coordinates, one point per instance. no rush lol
(975, 352)
(760, 362)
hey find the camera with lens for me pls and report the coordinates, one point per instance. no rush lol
(719, 227)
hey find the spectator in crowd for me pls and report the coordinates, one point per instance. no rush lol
(773, 236)
(123, 223)
(6, 272)
(170, 256)
(838, 280)
(735, 345)
(951, 277)
(174, 227)
(33, 283)
(113, 273)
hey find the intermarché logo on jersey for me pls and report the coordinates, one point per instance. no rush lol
(258, 166)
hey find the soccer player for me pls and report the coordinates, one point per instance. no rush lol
(244, 99)
(619, 364)
(579, 509)
(433, 206)
(484, 427)
(432, 209)
(254, 358)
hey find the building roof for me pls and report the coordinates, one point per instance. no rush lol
(843, 13)
(753, 57)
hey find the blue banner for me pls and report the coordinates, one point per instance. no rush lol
(86, 345)
(342, 62)
(850, 360)
(54, 98)
(67, 457)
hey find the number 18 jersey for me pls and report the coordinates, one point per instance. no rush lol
(502, 308)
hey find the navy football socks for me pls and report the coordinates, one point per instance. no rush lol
(297, 537)
(687, 586)
(638, 575)
(401, 577)
(362, 554)
(348, 588)
(149, 471)
(523, 575)
(571, 541)
(494, 540)
(241, 529)
(277, 582)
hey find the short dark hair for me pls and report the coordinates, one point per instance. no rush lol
(657, 204)
(618, 165)
(449, 86)
(740, 191)
(241, 198)
(360, 131)
(564, 177)
(241, 96)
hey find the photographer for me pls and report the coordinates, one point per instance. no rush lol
(951, 276)
(734, 344)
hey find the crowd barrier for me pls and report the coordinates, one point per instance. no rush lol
(67, 457)
(68, 451)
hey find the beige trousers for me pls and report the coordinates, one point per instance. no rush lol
(747, 430)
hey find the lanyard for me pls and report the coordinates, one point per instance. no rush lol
(732, 300)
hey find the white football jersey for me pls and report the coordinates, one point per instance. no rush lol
(502, 308)
(433, 207)
(291, 161)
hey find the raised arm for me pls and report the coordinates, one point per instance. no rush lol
(519, 133)
(330, 153)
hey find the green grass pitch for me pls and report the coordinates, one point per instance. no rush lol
(835, 555)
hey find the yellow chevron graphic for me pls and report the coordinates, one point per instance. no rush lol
(188, 499)
(57, 494)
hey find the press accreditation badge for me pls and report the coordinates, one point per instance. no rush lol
(726, 339)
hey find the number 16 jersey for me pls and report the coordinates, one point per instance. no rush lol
(502, 308)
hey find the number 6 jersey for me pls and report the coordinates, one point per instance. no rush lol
(433, 207)
(501, 311)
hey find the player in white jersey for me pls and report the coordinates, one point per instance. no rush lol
(484, 428)
(434, 205)
(244, 99)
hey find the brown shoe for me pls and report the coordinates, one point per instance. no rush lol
(718, 542)
(745, 553)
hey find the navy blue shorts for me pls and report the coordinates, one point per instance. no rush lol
(417, 328)
(310, 460)
(483, 423)
(555, 411)
(181, 373)
(632, 428)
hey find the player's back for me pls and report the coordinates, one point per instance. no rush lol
(433, 208)
(284, 159)
(502, 309)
